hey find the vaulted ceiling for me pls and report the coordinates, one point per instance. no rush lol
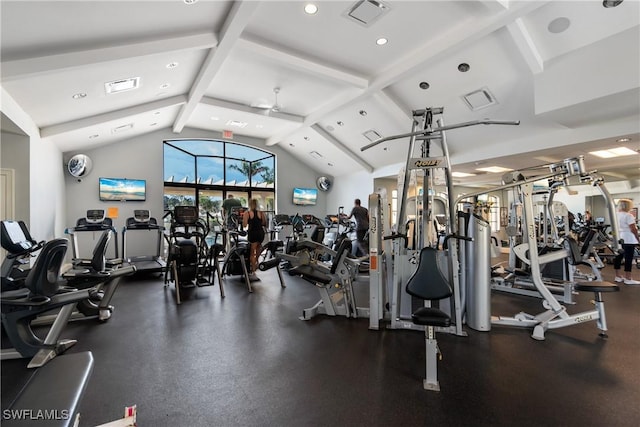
(569, 71)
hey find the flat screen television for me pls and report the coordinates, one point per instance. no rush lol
(122, 190)
(305, 196)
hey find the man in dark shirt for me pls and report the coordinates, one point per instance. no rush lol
(361, 216)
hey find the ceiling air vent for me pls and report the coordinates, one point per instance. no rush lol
(479, 99)
(366, 12)
(122, 85)
(122, 128)
(372, 135)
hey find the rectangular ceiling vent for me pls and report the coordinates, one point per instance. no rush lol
(123, 128)
(479, 99)
(122, 85)
(315, 155)
(237, 124)
(366, 12)
(372, 135)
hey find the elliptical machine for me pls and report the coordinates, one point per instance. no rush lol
(191, 261)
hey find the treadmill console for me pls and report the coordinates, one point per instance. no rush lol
(95, 216)
(187, 215)
(141, 215)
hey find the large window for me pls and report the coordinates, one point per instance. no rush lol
(203, 172)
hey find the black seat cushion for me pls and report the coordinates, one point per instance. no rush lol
(431, 316)
(309, 273)
(596, 287)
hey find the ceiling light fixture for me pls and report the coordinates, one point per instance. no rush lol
(463, 67)
(122, 85)
(237, 123)
(171, 65)
(190, 1)
(291, 144)
(306, 138)
(366, 12)
(79, 95)
(315, 154)
(165, 85)
(494, 169)
(310, 9)
(424, 85)
(462, 174)
(611, 3)
(363, 113)
(329, 164)
(382, 41)
(340, 123)
(215, 118)
(122, 128)
(613, 152)
(622, 140)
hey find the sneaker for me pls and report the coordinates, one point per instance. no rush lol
(631, 282)
(618, 279)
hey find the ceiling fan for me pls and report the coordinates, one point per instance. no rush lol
(267, 107)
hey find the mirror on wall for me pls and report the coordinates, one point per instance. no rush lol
(324, 183)
(79, 166)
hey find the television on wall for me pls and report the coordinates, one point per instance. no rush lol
(305, 196)
(122, 190)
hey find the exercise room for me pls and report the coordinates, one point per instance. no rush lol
(320, 213)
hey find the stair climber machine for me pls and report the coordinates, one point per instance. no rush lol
(555, 314)
(191, 262)
(142, 222)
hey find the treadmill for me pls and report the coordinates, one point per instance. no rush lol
(141, 221)
(94, 221)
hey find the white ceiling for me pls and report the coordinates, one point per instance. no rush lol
(572, 91)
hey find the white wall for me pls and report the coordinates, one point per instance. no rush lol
(142, 158)
(14, 154)
(46, 183)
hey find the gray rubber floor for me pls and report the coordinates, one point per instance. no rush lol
(246, 360)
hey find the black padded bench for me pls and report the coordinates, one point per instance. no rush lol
(52, 395)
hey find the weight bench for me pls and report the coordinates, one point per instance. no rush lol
(53, 394)
(428, 284)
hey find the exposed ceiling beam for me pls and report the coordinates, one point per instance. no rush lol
(397, 108)
(295, 61)
(526, 45)
(253, 110)
(235, 23)
(455, 40)
(111, 116)
(326, 135)
(64, 61)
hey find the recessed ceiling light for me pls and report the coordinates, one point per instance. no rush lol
(190, 1)
(306, 138)
(558, 25)
(424, 85)
(611, 3)
(382, 41)
(172, 65)
(623, 140)
(291, 144)
(165, 85)
(340, 123)
(122, 128)
(315, 154)
(310, 9)
(463, 67)
(613, 152)
(362, 113)
(79, 95)
(329, 164)
(494, 169)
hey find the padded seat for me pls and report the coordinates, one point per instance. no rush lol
(431, 316)
(309, 273)
(596, 287)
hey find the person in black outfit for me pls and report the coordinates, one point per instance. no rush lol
(255, 220)
(361, 216)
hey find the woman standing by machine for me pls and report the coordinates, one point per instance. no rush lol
(629, 234)
(255, 220)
